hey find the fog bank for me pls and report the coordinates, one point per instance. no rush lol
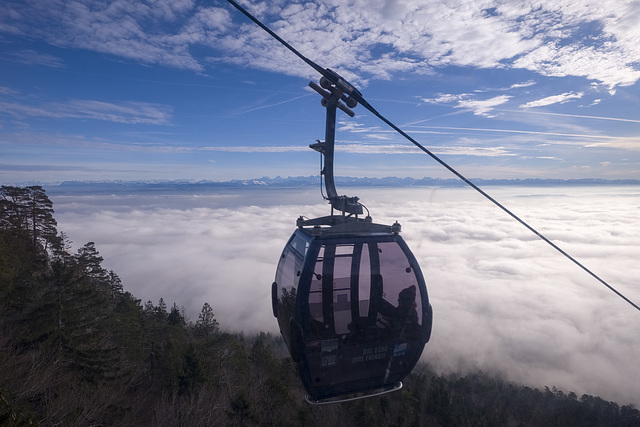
(504, 301)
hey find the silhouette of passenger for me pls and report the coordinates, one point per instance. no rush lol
(405, 318)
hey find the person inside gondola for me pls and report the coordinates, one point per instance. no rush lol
(403, 319)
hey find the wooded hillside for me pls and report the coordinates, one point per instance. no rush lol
(76, 349)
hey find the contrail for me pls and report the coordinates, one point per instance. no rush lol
(572, 115)
(522, 131)
(273, 105)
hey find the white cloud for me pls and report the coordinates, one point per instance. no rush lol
(445, 98)
(555, 99)
(503, 300)
(523, 84)
(372, 40)
(484, 106)
(610, 67)
(553, 38)
(480, 107)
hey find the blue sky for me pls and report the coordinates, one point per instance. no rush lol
(181, 89)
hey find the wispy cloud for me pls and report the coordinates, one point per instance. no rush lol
(355, 127)
(256, 149)
(615, 119)
(275, 104)
(31, 57)
(131, 112)
(554, 99)
(527, 132)
(367, 148)
(8, 91)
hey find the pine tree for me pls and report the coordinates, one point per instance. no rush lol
(40, 216)
(30, 209)
(161, 310)
(19, 265)
(115, 286)
(127, 326)
(175, 317)
(90, 265)
(13, 207)
(207, 325)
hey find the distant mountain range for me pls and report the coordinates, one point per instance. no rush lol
(308, 181)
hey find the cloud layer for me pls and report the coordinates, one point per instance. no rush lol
(503, 300)
(596, 40)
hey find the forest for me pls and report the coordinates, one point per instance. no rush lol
(77, 349)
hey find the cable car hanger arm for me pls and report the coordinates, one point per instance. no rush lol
(346, 87)
(331, 100)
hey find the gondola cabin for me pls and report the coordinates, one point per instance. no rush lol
(349, 296)
(352, 307)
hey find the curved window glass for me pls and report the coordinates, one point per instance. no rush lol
(287, 279)
(366, 290)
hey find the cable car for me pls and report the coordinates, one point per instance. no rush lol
(349, 296)
(352, 306)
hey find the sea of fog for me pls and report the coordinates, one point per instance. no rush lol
(504, 301)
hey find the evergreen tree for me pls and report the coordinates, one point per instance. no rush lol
(127, 325)
(115, 285)
(30, 209)
(40, 214)
(161, 310)
(192, 374)
(175, 317)
(207, 325)
(61, 247)
(89, 262)
(19, 265)
(13, 207)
